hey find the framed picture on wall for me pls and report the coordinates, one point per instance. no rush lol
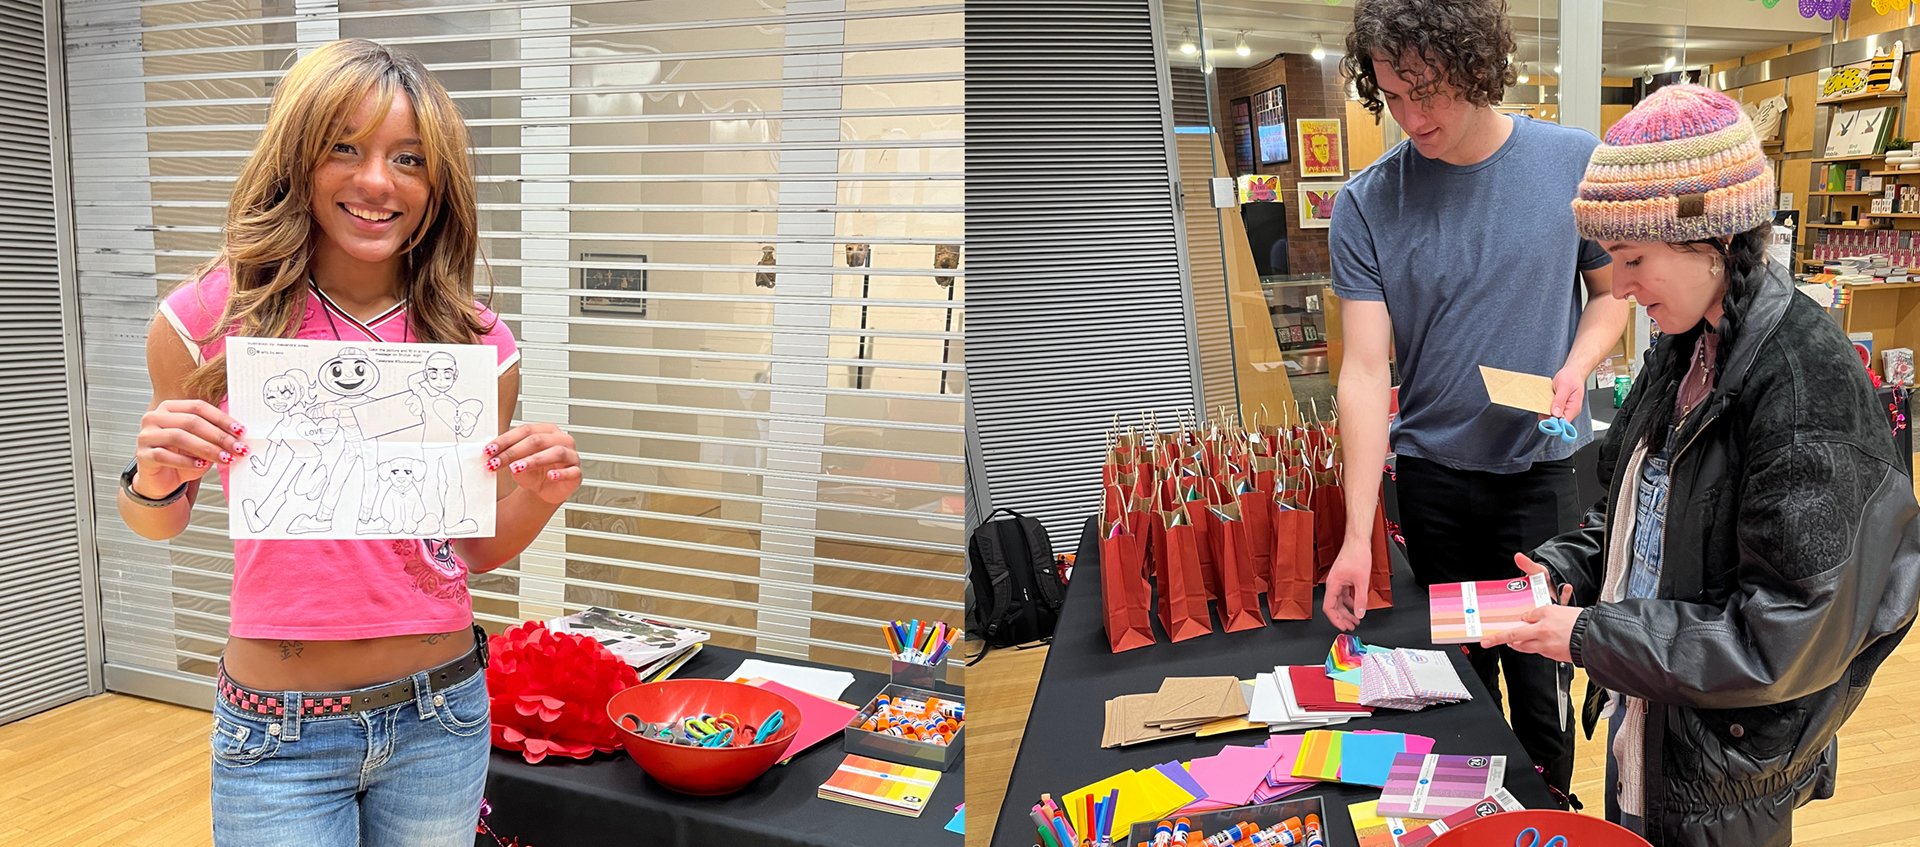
(1316, 203)
(1270, 126)
(1321, 151)
(1241, 112)
(613, 279)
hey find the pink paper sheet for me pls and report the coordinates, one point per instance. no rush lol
(1231, 776)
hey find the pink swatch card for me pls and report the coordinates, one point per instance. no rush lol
(1462, 612)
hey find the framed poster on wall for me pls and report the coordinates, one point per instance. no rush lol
(1270, 126)
(1242, 113)
(1316, 203)
(1321, 153)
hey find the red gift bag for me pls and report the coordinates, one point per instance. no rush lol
(1256, 509)
(1183, 597)
(1193, 502)
(1240, 603)
(1329, 518)
(1291, 596)
(1380, 581)
(1123, 587)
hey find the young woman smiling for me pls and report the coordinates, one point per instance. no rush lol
(352, 705)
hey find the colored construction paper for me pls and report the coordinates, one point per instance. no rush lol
(959, 822)
(1178, 774)
(820, 718)
(1287, 749)
(1231, 776)
(1319, 756)
(1163, 793)
(1134, 804)
(1314, 691)
(1365, 758)
(1376, 830)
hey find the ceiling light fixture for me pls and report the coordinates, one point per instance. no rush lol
(1556, 68)
(1318, 52)
(1522, 79)
(1186, 43)
(1240, 46)
(1670, 61)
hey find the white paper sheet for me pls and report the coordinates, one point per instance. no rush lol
(360, 441)
(828, 684)
(1266, 706)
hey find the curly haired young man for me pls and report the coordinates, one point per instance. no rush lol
(1459, 247)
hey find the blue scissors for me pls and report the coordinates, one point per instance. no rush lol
(771, 726)
(1562, 428)
(1522, 841)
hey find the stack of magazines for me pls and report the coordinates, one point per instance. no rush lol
(654, 648)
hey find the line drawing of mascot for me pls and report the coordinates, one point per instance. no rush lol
(299, 436)
(444, 420)
(403, 503)
(349, 376)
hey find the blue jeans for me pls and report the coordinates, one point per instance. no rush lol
(407, 775)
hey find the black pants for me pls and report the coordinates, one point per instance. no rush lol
(1466, 525)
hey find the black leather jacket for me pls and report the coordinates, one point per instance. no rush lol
(1790, 570)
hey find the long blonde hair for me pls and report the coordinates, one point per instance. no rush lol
(270, 227)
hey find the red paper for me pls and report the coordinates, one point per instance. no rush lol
(1313, 690)
(820, 718)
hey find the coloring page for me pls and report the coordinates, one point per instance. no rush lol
(355, 440)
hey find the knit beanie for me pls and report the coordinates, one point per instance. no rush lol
(1684, 165)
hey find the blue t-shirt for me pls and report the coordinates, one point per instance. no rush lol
(1478, 265)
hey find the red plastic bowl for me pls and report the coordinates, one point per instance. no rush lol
(704, 771)
(1501, 829)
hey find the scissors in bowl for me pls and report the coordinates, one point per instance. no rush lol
(1522, 840)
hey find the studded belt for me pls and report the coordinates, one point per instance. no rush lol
(323, 704)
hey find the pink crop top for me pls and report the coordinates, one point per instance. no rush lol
(335, 589)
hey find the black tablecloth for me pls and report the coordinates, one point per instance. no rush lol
(1061, 750)
(609, 800)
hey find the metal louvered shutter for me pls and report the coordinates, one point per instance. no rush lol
(772, 436)
(1078, 308)
(48, 630)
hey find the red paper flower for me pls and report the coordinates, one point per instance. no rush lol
(549, 692)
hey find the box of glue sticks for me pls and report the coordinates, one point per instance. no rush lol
(893, 744)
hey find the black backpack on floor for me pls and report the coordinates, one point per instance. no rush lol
(1017, 591)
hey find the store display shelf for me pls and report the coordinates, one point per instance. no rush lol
(1844, 226)
(1862, 98)
(1840, 193)
(1849, 158)
(1893, 173)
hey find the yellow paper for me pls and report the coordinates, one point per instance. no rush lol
(1517, 390)
(1133, 805)
(1236, 724)
(1346, 692)
(1162, 794)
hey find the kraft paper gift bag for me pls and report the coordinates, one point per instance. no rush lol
(1124, 593)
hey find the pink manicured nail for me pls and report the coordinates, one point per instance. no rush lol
(520, 466)
(493, 464)
(226, 458)
(553, 475)
(490, 449)
(238, 429)
(199, 463)
(241, 449)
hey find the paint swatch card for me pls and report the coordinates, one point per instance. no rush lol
(349, 440)
(1462, 612)
(1434, 786)
(900, 789)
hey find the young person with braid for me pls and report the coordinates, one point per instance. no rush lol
(1757, 555)
(352, 703)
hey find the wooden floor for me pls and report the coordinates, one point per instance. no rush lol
(107, 770)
